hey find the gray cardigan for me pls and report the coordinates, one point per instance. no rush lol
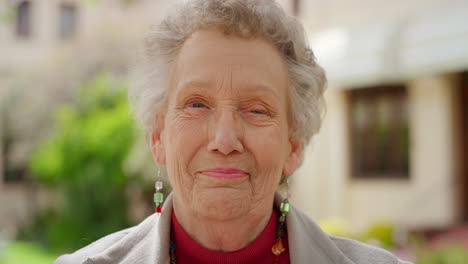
(148, 243)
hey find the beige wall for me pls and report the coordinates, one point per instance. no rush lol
(319, 187)
(324, 189)
(433, 146)
(21, 53)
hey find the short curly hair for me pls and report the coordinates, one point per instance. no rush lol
(244, 18)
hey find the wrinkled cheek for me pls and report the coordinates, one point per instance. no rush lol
(185, 141)
(175, 167)
(269, 156)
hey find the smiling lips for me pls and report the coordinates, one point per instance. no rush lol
(229, 173)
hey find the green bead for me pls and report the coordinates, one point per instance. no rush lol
(284, 206)
(173, 246)
(282, 218)
(158, 197)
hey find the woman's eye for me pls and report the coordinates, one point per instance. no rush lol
(258, 112)
(197, 105)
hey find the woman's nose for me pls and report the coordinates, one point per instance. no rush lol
(226, 134)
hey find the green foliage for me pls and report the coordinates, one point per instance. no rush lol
(337, 227)
(84, 160)
(90, 2)
(450, 254)
(20, 252)
(382, 233)
(7, 14)
(379, 234)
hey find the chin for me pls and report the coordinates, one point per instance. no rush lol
(222, 203)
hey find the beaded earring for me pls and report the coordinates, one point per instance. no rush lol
(278, 247)
(158, 195)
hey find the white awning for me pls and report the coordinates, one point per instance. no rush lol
(358, 56)
(436, 42)
(432, 42)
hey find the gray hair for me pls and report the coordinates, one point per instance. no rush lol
(245, 18)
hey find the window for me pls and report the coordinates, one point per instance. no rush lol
(463, 147)
(23, 19)
(68, 21)
(295, 7)
(379, 132)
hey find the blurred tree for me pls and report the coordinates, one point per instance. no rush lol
(449, 254)
(380, 234)
(7, 13)
(83, 161)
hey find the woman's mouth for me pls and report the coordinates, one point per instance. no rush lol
(228, 173)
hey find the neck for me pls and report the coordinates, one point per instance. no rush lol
(225, 235)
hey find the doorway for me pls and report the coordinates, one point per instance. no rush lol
(464, 147)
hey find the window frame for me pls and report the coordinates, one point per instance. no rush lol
(69, 33)
(23, 19)
(396, 92)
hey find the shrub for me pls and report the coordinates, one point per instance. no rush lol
(83, 161)
(450, 254)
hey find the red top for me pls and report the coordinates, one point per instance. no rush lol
(258, 252)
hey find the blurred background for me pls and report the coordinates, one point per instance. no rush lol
(388, 168)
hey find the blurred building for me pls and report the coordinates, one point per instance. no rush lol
(33, 36)
(393, 145)
(394, 142)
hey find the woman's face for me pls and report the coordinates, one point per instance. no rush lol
(224, 137)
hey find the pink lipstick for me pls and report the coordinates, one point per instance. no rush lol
(229, 173)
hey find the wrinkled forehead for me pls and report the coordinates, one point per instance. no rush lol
(229, 64)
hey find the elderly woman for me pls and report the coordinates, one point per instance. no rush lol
(231, 96)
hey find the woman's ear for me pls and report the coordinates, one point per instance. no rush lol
(293, 160)
(157, 141)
